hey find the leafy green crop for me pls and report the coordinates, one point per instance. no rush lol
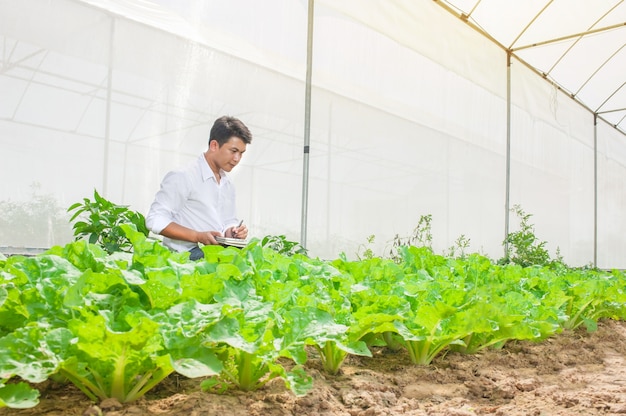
(18, 395)
(116, 324)
(104, 363)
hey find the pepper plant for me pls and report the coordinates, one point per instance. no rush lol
(100, 222)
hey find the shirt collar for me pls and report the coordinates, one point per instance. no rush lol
(207, 172)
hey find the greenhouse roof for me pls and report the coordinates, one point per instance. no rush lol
(579, 45)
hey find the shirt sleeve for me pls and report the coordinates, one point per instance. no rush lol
(168, 201)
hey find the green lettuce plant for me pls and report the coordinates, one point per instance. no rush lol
(18, 395)
(116, 324)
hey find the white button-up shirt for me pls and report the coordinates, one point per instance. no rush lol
(193, 198)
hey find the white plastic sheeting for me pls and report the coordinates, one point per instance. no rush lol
(577, 44)
(408, 118)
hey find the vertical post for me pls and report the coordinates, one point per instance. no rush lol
(507, 196)
(595, 190)
(107, 121)
(307, 125)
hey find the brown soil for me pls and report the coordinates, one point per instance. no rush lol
(573, 373)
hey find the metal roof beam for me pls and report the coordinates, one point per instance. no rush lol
(575, 35)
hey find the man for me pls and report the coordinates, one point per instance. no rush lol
(197, 203)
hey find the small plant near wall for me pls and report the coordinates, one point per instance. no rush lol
(420, 237)
(523, 247)
(280, 244)
(100, 221)
(365, 250)
(461, 244)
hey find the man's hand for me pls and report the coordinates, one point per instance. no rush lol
(240, 232)
(208, 237)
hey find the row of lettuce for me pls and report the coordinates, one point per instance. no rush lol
(115, 325)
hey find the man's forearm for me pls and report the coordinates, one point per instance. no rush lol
(179, 232)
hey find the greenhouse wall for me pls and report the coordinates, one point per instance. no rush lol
(408, 118)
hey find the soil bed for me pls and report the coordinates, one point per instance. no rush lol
(573, 373)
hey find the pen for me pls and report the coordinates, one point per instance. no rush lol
(240, 224)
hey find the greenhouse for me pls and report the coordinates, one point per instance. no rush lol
(398, 138)
(407, 109)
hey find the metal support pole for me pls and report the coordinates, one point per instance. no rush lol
(508, 155)
(107, 125)
(595, 190)
(307, 125)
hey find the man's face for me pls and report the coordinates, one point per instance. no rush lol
(229, 154)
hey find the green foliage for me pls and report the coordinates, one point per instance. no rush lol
(588, 291)
(104, 361)
(101, 220)
(523, 247)
(461, 244)
(280, 244)
(18, 395)
(420, 237)
(367, 253)
(116, 325)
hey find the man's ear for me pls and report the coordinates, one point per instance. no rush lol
(214, 145)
